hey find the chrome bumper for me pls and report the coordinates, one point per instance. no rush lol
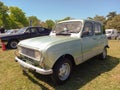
(36, 69)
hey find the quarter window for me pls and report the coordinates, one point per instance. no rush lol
(97, 29)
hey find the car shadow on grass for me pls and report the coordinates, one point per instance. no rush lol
(81, 75)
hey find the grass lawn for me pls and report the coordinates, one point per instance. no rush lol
(94, 74)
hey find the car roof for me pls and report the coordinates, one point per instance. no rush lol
(81, 20)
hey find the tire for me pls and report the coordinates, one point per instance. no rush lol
(103, 55)
(62, 71)
(13, 44)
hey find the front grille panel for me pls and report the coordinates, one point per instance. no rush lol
(28, 52)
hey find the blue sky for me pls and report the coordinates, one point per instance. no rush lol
(59, 9)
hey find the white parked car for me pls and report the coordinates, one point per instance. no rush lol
(70, 43)
(111, 33)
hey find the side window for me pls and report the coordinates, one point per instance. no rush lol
(33, 30)
(88, 29)
(41, 29)
(98, 30)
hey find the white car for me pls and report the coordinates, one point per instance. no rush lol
(70, 43)
(111, 33)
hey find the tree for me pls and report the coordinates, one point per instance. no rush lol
(35, 21)
(114, 23)
(90, 18)
(43, 24)
(4, 17)
(101, 19)
(18, 16)
(49, 24)
(66, 18)
(111, 15)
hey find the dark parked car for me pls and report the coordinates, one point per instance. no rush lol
(11, 40)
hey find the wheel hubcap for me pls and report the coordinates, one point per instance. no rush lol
(13, 44)
(64, 71)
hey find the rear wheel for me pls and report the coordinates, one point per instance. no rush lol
(62, 71)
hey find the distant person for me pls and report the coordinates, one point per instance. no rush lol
(2, 30)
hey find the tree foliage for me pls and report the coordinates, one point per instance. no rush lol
(12, 17)
(34, 20)
(114, 23)
(49, 24)
(66, 18)
(3, 15)
(17, 15)
(101, 19)
(111, 15)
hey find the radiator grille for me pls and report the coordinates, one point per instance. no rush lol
(28, 52)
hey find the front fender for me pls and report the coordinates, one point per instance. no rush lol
(54, 52)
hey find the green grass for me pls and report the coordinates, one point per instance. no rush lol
(94, 74)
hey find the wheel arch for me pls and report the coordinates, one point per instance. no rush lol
(107, 46)
(13, 40)
(68, 56)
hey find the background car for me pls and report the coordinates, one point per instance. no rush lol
(118, 37)
(111, 33)
(11, 40)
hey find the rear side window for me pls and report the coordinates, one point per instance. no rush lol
(98, 29)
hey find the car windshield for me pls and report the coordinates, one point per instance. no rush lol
(22, 30)
(66, 28)
(9, 31)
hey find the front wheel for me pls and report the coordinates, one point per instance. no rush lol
(62, 71)
(13, 44)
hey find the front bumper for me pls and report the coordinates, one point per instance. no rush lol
(36, 69)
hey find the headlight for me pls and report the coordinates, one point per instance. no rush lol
(19, 49)
(37, 55)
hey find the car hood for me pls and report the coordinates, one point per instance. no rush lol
(41, 43)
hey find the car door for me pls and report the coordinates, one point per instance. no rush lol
(99, 37)
(34, 32)
(89, 41)
(26, 33)
(44, 31)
